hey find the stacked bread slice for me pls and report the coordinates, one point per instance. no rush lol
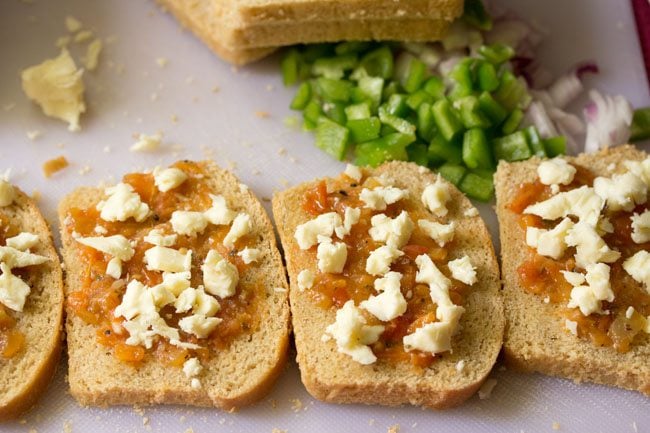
(244, 31)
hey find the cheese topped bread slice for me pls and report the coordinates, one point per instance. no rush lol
(31, 303)
(575, 245)
(175, 290)
(394, 287)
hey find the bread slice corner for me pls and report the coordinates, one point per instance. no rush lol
(535, 338)
(25, 376)
(334, 377)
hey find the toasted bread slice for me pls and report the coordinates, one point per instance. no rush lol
(256, 12)
(25, 375)
(536, 338)
(453, 376)
(240, 371)
(198, 16)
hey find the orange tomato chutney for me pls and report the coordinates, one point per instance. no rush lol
(542, 275)
(334, 290)
(98, 295)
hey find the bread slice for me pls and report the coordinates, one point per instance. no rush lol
(24, 377)
(232, 377)
(198, 16)
(536, 339)
(290, 33)
(334, 377)
(256, 12)
(242, 44)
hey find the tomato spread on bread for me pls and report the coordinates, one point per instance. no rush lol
(382, 260)
(165, 267)
(16, 264)
(588, 239)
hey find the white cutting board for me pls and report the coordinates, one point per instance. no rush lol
(268, 156)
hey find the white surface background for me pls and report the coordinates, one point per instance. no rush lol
(268, 156)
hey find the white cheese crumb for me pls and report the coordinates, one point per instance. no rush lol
(379, 260)
(305, 279)
(571, 326)
(332, 257)
(220, 277)
(241, 226)
(167, 259)
(147, 143)
(382, 196)
(394, 232)
(441, 233)
(463, 270)
(249, 255)
(556, 171)
(168, 178)
(641, 227)
(353, 172)
(435, 197)
(471, 212)
(486, 389)
(188, 223)
(122, 203)
(390, 302)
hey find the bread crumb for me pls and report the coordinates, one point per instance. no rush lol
(393, 429)
(282, 151)
(22, 421)
(54, 165)
(262, 114)
(486, 389)
(62, 41)
(634, 427)
(284, 182)
(138, 410)
(84, 170)
(107, 149)
(277, 430)
(146, 143)
(215, 89)
(153, 97)
(67, 427)
(296, 404)
(292, 160)
(189, 79)
(555, 425)
(145, 420)
(189, 430)
(256, 172)
(162, 61)
(72, 24)
(34, 135)
(33, 430)
(270, 87)
(371, 421)
(174, 118)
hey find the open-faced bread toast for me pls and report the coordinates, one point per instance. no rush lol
(176, 292)
(394, 287)
(573, 310)
(31, 303)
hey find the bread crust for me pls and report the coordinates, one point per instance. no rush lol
(233, 378)
(331, 376)
(533, 343)
(25, 376)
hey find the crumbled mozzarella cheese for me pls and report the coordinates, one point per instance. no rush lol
(352, 335)
(167, 259)
(156, 237)
(19, 259)
(640, 227)
(307, 234)
(306, 279)
(394, 232)
(556, 171)
(219, 213)
(137, 300)
(147, 143)
(433, 338)
(638, 266)
(168, 178)
(198, 301)
(353, 172)
(582, 202)
(463, 270)
(185, 301)
(192, 368)
(114, 268)
(23, 241)
(571, 326)
(588, 297)
(583, 297)
(117, 246)
(241, 226)
(379, 260)
(390, 303)
(220, 277)
(621, 192)
(199, 325)
(350, 217)
(435, 197)
(7, 193)
(590, 247)
(188, 223)
(250, 255)
(549, 243)
(429, 274)
(122, 203)
(640, 168)
(331, 257)
(175, 282)
(441, 233)
(161, 295)
(573, 278)
(140, 334)
(13, 290)
(379, 198)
